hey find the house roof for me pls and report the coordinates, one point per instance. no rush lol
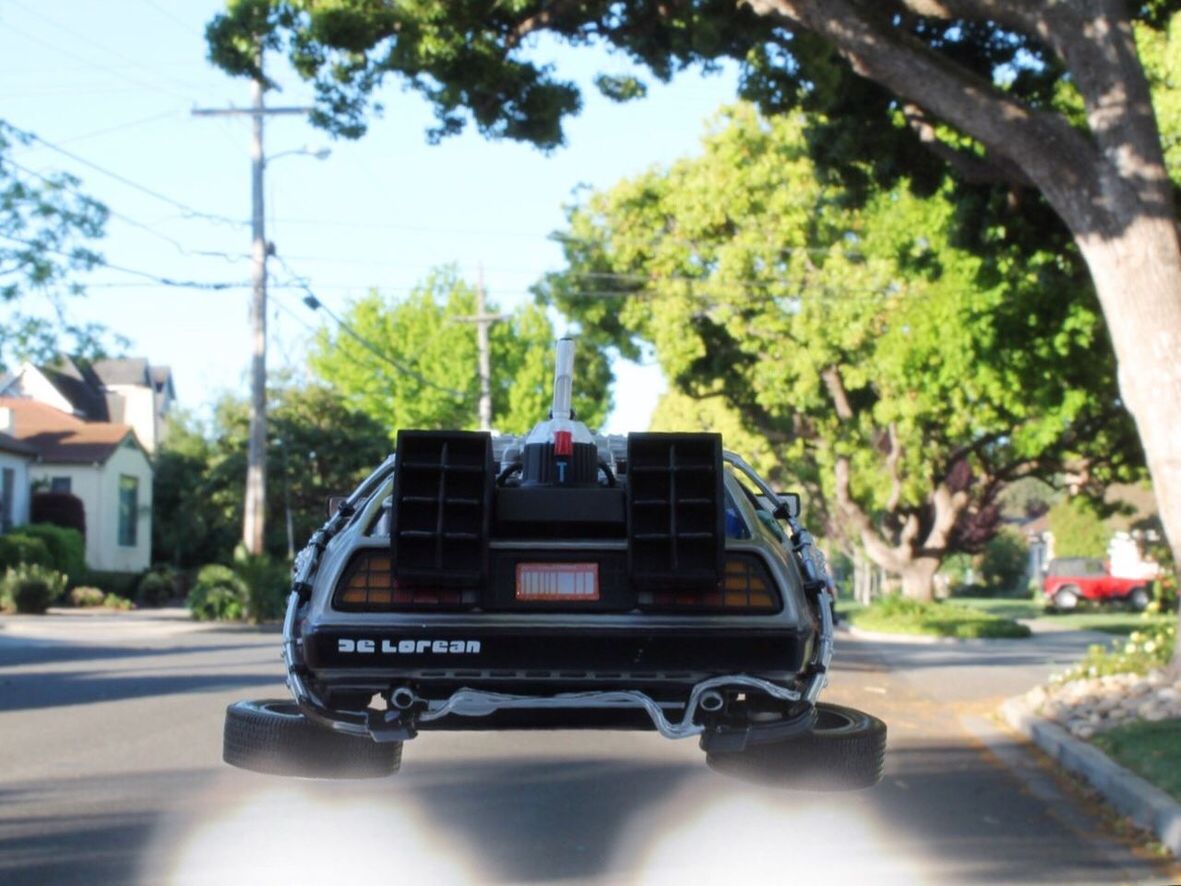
(122, 371)
(13, 445)
(56, 436)
(80, 386)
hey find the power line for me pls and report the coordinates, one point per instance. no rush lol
(119, 127)
(90, 63)
(135, 272)
(89, 41)
(126, 219)
(315, 304)
(184, 207)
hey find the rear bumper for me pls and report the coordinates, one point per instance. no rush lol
(528, 652)
(706, 663)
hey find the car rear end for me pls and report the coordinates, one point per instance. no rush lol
(657, 598)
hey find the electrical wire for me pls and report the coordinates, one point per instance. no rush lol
(313, 302)
(135, 272)
(184, 207)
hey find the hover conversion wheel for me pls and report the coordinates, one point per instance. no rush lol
(274, 737)
(844, 751)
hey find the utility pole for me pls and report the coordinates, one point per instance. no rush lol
(254, 519)
(483, 321)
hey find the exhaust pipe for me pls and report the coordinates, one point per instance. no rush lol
(712, 701)
(404, 698)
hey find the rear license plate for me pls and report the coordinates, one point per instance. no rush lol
(565, 582)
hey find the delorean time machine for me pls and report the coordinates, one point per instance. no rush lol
(561, 580)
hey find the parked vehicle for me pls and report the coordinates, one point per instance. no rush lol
(555, 581)
(1070, 580)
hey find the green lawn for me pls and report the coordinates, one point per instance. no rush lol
(1151, 750)
(1109, 620)
(1003, 607)
(897, 615)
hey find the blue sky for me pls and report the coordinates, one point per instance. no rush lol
(114, 84)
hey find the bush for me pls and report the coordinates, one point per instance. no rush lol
(1078, 530)
(218, 594)
(59, 508)
(32, 589)
(16, 548)
(67, 548)
(122, 584)
(1142, 652)
(1005, 560)
(1164, 594)
(156, 588)
(267, 580)
(114, 601)
(86, 597)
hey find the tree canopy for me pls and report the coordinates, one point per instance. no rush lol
(317, 447)
(432, 379)
(902, 377)
(46, 225)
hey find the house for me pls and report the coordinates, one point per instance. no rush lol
(125, 391)
(15, 458)
(102, 463)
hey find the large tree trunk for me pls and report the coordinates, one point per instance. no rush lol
(918, 578)
(1138, 277)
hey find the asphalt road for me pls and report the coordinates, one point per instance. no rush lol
(110, 772)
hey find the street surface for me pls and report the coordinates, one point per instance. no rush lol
(110, 742)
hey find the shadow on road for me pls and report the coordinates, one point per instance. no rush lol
(28, 651)
(53, 689)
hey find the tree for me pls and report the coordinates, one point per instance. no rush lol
(1079, 531)
(430, 379)
(317, 447)
(1022, 98)
(904, 377)
(45, 222)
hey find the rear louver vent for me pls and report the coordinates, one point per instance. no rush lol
(442, 495)
(674, 496)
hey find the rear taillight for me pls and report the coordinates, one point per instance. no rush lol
(368, 585)
(745, 587)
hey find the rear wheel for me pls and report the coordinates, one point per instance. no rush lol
(844, 751)
(1139, 598)
(274, 737)
(1066, 598)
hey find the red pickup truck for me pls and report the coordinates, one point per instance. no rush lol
(1072, 579)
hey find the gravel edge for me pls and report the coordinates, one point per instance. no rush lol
(1145, 804)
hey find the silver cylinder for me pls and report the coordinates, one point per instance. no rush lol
(711, 701)
(563, 379)
(403, 698)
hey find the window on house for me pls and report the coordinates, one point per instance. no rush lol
(128, 509)
(60, 484)
(7, 498)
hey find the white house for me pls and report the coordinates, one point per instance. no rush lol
(104, 465)
(15, 458)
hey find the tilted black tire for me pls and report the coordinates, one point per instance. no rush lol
(844, 751)
(274, 737)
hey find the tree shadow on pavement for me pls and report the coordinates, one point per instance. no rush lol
(58, 689)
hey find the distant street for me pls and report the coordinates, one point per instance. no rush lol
(110, 740)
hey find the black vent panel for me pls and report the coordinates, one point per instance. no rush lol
(676, 535)
(442, 505)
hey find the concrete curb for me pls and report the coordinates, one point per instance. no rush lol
(1142, 802)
